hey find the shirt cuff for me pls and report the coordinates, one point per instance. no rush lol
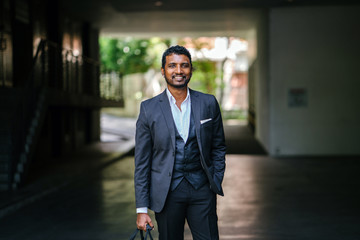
(141, 210)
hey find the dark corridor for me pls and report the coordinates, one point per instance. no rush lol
(240, 139)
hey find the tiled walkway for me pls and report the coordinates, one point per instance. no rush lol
(265, 198)
(92, 198)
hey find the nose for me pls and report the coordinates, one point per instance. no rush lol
(178, 69)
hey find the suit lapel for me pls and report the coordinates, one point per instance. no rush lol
(166, 110)
(196, 110)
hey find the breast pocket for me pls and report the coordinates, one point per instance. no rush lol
(206, 123)
(206, 133)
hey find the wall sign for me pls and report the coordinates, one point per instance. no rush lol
(297, 97)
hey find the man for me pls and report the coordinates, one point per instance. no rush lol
(179, 155)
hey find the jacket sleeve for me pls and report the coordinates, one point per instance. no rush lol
(143, 159)
(218, 148)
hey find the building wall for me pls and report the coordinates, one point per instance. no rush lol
(259, 82)
(5, 45)
(26, 23)
(314, 80)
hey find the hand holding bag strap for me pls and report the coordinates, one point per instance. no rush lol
(148, 229)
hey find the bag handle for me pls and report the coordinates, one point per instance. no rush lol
(148, 229)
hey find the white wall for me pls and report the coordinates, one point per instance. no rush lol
(318, 49)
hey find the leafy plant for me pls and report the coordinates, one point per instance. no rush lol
(125, 56)
(204, 76)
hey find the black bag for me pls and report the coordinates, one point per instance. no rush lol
(148, 229)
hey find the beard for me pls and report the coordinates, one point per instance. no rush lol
(187, 80)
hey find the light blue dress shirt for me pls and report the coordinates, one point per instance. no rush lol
(181, 117)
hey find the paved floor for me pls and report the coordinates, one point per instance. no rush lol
(46, 179)
(240, 139)
(265, 199)
(280, 199)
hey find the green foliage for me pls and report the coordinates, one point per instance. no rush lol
(129, 55)
(234, 114)
(132, 55)
(204, 76)
(109, 54)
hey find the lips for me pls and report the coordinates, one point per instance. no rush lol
(179, 78)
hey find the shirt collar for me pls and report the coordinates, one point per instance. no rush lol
(173, 100)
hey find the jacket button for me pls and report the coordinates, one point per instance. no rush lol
(169, 174)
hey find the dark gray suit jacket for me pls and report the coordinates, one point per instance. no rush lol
(155, 147)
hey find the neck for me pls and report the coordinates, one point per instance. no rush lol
(178, 93)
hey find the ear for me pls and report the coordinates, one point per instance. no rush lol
(162, 71)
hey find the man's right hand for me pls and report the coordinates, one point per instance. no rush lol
(142, 220)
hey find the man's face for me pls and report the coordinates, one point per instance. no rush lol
(178, 70)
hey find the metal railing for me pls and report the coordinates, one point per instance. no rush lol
(64, 69)
(111, 86)
(52, 67)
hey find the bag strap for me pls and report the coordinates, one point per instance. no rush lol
(148, 229)
(133, 236)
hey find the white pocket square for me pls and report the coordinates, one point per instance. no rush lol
(205, 120)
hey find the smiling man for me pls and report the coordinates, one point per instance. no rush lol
(179, 155)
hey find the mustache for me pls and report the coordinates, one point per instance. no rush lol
(185, 78)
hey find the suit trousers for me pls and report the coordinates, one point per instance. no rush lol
(198, 207)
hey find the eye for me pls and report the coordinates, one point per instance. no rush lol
(185, 65)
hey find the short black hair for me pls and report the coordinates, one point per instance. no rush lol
(178, 50)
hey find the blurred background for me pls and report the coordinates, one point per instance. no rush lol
(73, 73)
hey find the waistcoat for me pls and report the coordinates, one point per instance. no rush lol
(187, 160)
